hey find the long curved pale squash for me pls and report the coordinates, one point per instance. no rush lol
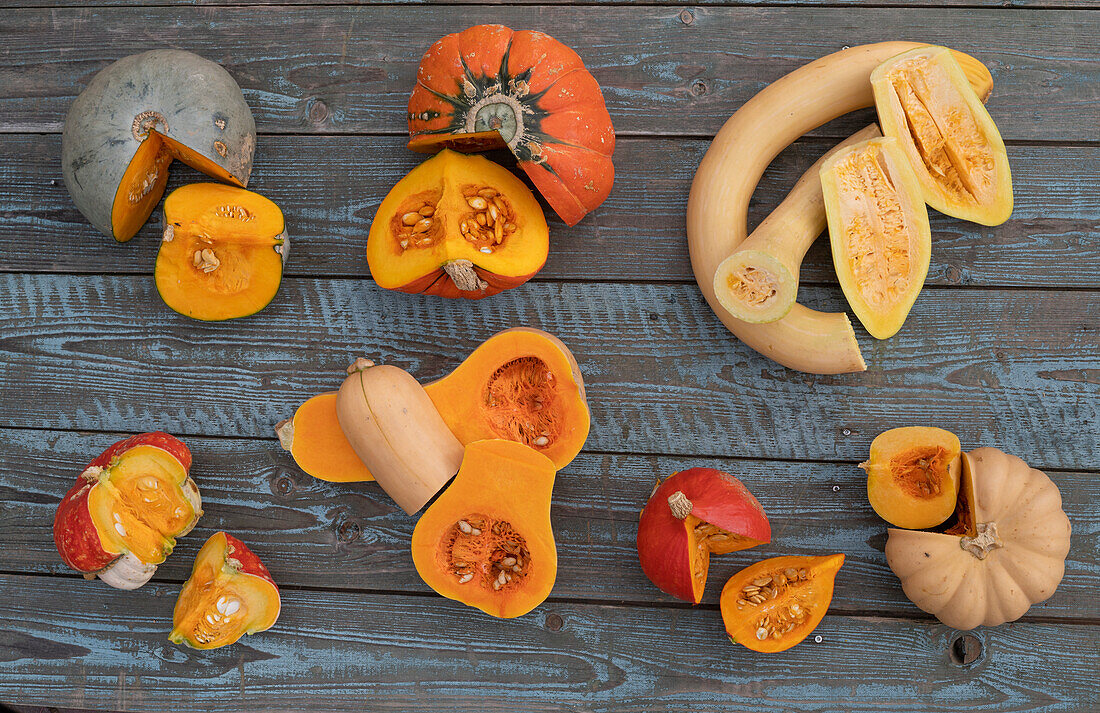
(717, 215)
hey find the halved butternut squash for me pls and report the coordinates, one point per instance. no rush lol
(925, 101)
(486, 541)
(222, 253)
(878, 229)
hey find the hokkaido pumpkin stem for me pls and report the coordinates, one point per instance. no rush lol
(464, 276)
(679, 504)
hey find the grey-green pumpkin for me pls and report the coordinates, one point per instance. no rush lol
(192, 102)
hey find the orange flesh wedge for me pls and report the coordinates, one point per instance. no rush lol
(705, 539)
(139, 506)
(320, 447)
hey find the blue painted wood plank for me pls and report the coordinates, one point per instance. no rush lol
(351, 536)
(339, 650)
(1016, 369)
(340, 69)
(1053, 238)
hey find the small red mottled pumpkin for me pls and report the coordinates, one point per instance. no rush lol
(489, 87)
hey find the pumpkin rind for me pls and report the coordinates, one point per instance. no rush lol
(988, 575)
(491, 87)
(226, 579)
(190, 101)
(436, 251)
(85, 536)
(544, 390)
(502, 487)
(691, 514)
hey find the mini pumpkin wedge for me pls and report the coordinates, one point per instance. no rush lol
(926, 102)
(1006, 552)
(222, 252)
(691, 515)
(487, 541)
(457, 226)
(139, 114)
(774, 604)
(913, 475)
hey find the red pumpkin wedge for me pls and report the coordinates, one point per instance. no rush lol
(692, 514)
(123, 516)
(491, 87)
(230, 593)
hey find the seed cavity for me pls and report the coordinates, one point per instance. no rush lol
(485, 551)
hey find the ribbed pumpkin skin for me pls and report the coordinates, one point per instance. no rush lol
(491, 86)
(202, 107)
(963, 591)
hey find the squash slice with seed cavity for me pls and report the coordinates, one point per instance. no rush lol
(924, 100)
(878, 229)
(222, 253)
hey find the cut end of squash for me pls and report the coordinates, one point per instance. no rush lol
(457, 226)
(926, 101)
(755, 287)
(913, 476)
(225, 598)
(318, 445)
(142, 502)
(222, 253)
(774, 604)
(879, 232)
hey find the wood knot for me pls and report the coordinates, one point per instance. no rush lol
(679, 504)
(554, 622)
(348, 531)
(284, 485)
(966, 649)
(687, 17)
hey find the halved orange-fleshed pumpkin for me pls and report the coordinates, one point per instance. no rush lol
(222, 253)
(457, 226)
(493, 87)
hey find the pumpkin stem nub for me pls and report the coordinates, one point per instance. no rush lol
(360, 364)
(984, 542)
(464, 276)
(679, 504)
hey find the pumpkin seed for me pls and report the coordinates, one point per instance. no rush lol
(422, 225)
(477, 203)
(427, 211)
(410, 218)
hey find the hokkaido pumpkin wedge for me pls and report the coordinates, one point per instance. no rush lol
(397, 433)
(457, 226)
(487, 541)
(925, 101)
(137, 116)
(122, 517)
(691, 515)
(774, 604)
(1005, 552)
(879, 233)
(913, 476)
(222, 252)
(521, 384)
(229, 594)
(492, 87)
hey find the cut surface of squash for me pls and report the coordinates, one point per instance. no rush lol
(878, 229)
(487, 541)
(319, 447)
(521, 385)
(925, 101)
(222, 253)
(913, 476)
(141, 504)
(229, 594)
(457, 226)
(774, 604)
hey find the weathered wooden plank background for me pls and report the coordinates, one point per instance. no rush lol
(1002, 348)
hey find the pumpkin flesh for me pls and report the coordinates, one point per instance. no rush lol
(913, 476)
(879, 232)
(457, 226)
(520, 385)
(925, 101)
(774, 604)
(229, 594)
(491, 87)
(222, 253)
(487, 541)
(319, 447)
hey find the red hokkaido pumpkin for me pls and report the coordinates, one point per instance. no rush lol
(491, 87)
